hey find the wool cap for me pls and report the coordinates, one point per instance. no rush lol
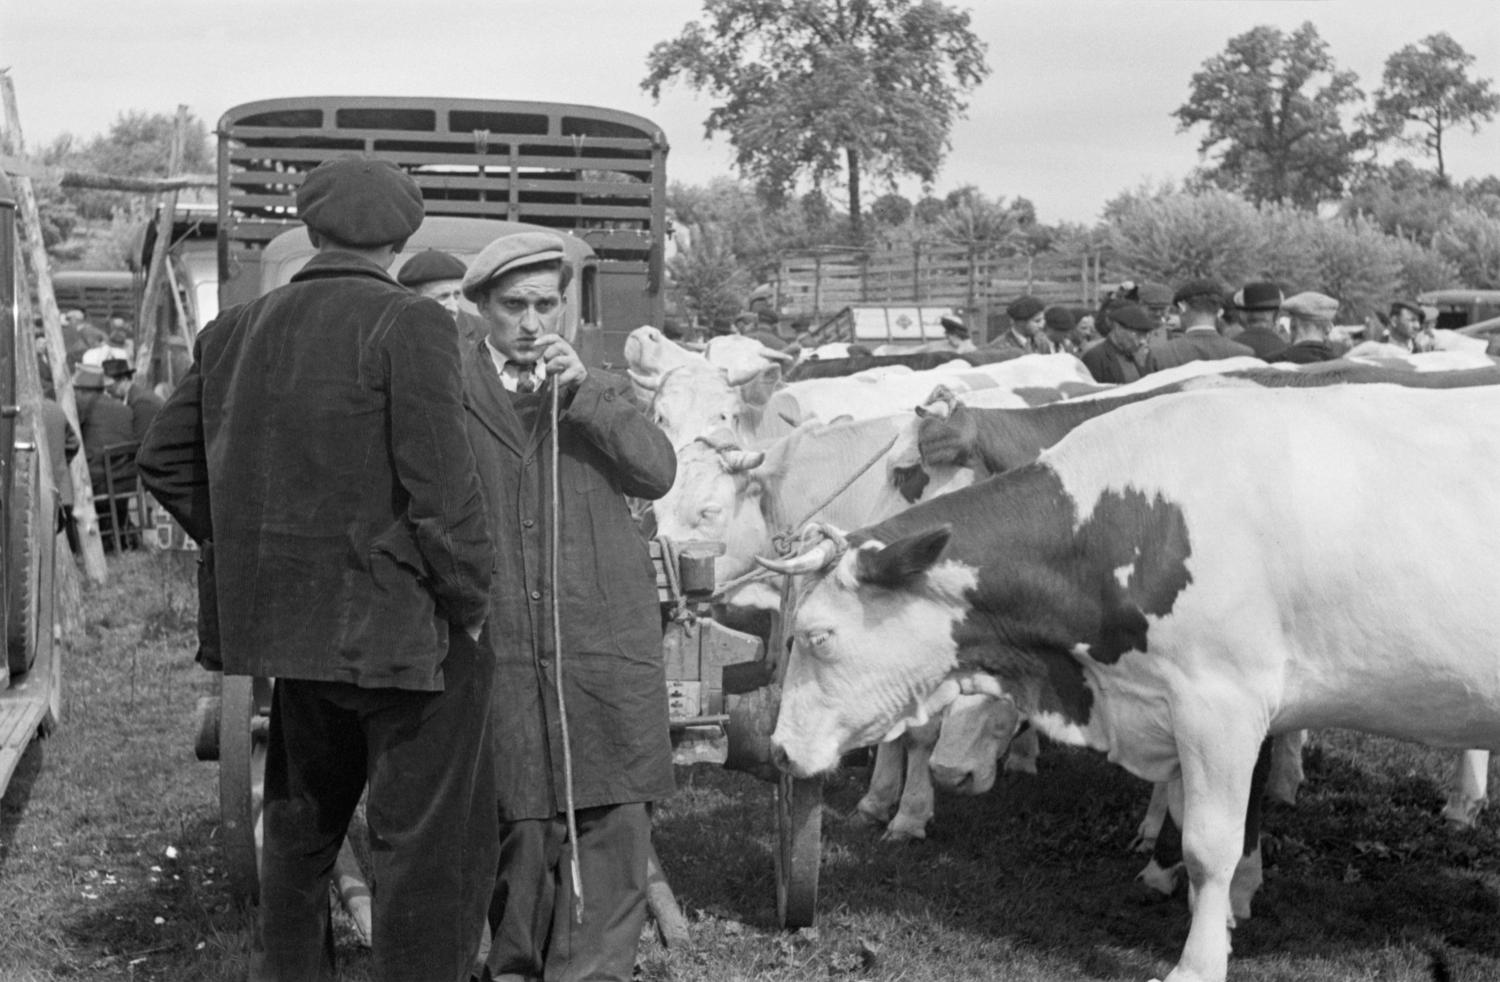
(1154, 294)
(360, 201)
(429, 266)
(88, 377)
(954, 326)
(1132, 315)
(1059, 319)
(1406, 305)
(1312, 305)
(1260, 295)
(1024, 308)
(116, 368)
(1203, 287)
(509, 252)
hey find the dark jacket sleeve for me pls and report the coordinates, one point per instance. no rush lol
(172, 461)
(433, 460)
(639, 453)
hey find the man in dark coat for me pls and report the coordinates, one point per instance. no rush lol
(1312, 318)
(614, 685)
(1025, 331)
(1258, 305)
(318, 443)
(439, 276)
(108, 446)
(1122, 356)
(1199, 303)
(138, 398)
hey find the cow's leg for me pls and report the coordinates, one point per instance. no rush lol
(1218, 750)
(885, 784)
(1248, 874)
(1156, 813)
(1023, 752)
(1469, 788)
(1286, 766)
(916, 794)
(1165, 871)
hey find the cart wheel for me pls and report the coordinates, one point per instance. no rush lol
(242, 772)
(799, 832)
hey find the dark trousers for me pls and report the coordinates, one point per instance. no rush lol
(427, 758)
(535, 933)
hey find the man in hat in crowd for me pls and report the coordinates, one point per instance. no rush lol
(142, 402)
(1311, 317)
(318, 447)
(1405, 329)
(439, 276)
(1258, 305)
(1122, 356)
(1199, 303)
(1157, 299)
(609, 655)
(105, 428)
(1024, 333)
(1061, 330)
(955, 335)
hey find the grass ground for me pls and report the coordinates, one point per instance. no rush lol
(110, 869)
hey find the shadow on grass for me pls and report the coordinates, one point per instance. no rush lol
(18, 796)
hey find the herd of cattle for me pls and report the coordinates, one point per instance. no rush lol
(1172, 571)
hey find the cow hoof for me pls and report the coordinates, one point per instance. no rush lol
(1462, 814)
(1143, 844)
(898, 833)
(1023, 765)
(864, 820)
(1160, 880)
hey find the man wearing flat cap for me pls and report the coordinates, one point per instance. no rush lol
(317, 448)
(1311, 317)
(1024, 334)
(1406, 327)
(1258, 306)
(1122, 356)
(614, 685)
(1199, 303)
(439, 276)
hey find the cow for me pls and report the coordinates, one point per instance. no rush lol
(1170, 584)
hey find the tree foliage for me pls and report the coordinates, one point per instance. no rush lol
(708, 282)
(1271, 104)
(1471, 241)
(813, 88)
(1426, 87)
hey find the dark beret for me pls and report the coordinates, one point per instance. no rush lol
(515, 251)
(1132, 315)
(116, 368)
(1024, 308)
(1260, 295)
(429, 266)
(954, 326)
(1406, 305)
(360, 201)
(1059, 319)
(1199, 288)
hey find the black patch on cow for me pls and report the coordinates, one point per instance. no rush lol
(911, 481)
(1047, 584)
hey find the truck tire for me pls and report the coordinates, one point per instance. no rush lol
(24, 562)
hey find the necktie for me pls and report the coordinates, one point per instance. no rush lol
(526, 384)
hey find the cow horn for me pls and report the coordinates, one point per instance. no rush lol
(745, 376)
(940, 403)
(737, 461)
(818, 557)
(648, 382)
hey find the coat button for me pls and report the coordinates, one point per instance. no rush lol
(536, 594)
(609, 394)
(527, 523)
(526, 462)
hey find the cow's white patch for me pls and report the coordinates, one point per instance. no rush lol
(1122, 574)
(1063, 730)
(953, 581)
(1081, 649)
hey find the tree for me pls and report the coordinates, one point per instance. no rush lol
(812, 88)
(707, 280)
(1271, 103)
(1427, 85)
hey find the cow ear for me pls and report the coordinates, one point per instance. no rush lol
(901, 561)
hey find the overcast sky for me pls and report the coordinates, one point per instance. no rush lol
(1077, 108)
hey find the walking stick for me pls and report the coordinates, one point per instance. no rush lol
(557, 656)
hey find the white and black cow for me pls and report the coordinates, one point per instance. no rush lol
(1170, 584)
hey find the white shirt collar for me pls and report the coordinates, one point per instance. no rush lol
(510, 373)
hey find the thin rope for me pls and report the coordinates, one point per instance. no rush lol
(557, 659)
(782, 538)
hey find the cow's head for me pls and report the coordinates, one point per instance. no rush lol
(976, 729)
(871, 643)
(695, 401)
(717, 497)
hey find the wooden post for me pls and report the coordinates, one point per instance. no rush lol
(150, 309)
(57, 356)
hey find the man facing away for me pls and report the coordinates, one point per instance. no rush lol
(317, 445)
(1198, 304)
(1311, 320)
(613, 679)
(1259, 304)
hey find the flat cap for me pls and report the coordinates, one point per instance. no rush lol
(88, 377)
(1203, 287)
(1260, 295)
(360, 201)
(429, 266)
(952, 325)
(1130, 314)
(1059, 319)
(1024, 308)
(116, 368)
(1312, 305)
(1154, 294)
(1406, 305)
(514, 251)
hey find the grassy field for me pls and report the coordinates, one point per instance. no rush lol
(109, 864)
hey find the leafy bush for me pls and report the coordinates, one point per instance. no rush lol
(1471, 241)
